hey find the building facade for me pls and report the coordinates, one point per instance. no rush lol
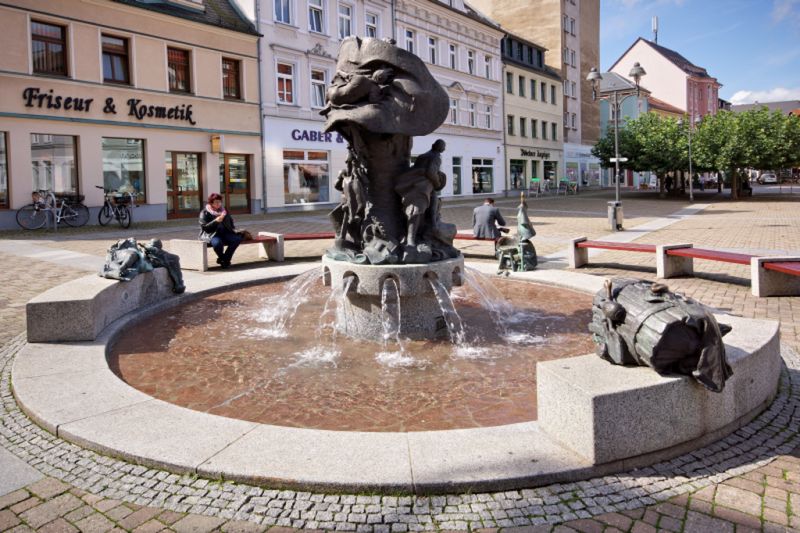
(160, 99)
(672, 78)
(533, 110)
(462, 50)
(298, 50)
(569, 29)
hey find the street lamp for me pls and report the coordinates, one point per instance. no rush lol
(594, 77)
(692, 123)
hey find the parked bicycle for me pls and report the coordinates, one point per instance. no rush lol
(116, 206)
(66, 208)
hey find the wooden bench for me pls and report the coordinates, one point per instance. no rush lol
(769, 276)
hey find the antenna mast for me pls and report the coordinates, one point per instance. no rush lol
(655, 30)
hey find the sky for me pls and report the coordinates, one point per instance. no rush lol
(752, 47)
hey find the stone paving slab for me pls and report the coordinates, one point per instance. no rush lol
(16, 473)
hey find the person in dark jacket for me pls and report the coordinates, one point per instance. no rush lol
(216, 227)
(485, 220)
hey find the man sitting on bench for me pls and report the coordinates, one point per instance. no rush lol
(485, 221)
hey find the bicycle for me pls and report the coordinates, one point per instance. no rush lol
(116, 206)
(67, 208)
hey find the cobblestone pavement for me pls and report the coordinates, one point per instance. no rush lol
(749, 481)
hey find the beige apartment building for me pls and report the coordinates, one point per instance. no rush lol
(570, 30)
(159, 98)
(533, 107)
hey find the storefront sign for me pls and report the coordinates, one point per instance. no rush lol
(316, 136)
(532, 153)
(34, 97)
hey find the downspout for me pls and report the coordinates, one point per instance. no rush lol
(394, 20)
(261, 111)
(504, 125)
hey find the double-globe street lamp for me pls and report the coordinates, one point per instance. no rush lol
(694, 121)
(594, 77)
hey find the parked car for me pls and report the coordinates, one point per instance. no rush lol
(768, 177)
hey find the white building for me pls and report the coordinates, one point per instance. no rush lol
(298, 59)
(462, 50)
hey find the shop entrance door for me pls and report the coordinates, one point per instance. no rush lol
(184, 173)
(234, 182)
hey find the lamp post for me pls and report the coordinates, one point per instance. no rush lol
(692, 123)
(594, 77)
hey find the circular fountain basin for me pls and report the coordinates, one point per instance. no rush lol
(585, 406)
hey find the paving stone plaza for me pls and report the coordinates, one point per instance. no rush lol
(747, 481)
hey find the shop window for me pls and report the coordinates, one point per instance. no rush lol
(283, 11)
(482, 175)
(231, 79)
(550, 170)
(517, 173)
(315, 16)
(115, 60)
(285, 83)
(372, 25)
(184, 184)
(456, 175)
(123, 166)
(4, 203)
(54, 163)
(345, 21)
(318, 85)
(49, 48)
(179, 70)
(305, 176)
(234, 182)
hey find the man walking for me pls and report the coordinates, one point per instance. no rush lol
(486, 219)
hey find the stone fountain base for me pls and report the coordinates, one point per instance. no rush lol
(421, 316)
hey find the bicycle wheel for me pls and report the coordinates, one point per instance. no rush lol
(75, 215)
(125, 216)
(31, 216)
(105, 215)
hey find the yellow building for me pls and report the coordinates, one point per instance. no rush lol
(157, 97)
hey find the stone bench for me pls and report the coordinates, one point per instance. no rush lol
(81, 309)
(194, 252)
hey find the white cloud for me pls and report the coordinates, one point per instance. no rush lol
(786, 11)
(777, 94)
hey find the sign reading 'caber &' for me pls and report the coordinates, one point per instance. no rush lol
(316, 136)
(35, 97)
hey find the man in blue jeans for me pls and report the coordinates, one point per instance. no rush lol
(217, 228)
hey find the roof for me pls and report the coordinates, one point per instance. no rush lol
(614, 82)
(655, 103)
(474, 14)
(544, 69)
(672, 56)
(785, 107)
(219, 13)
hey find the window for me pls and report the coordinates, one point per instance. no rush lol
(345, 21)
(285, 83)
(553, 131)
(572, 58)
(533, 89)
(574, 125)
(318, 85)
(372, 25)
(553, 94)
(487, 65)
(566, 55)
(544, 130)
(453, 56)
(305, 176)
(509, 83)
(543, 92)
(534, 128)
(488, 117)
(123, 166)
(115, 59)
(574, 89)
(410, 41)
(283, 11)
(510, 124)
(315, 16)
(471, 61)
(4, 204)
(523, 122)
(49, 48)
(456, 175)
(529, 56)
(54, 163)
(572, 26)
(522, 86)
(566, 118)
(231, 81)
(566, 23)
(472, 118)
(566, 87)
(517, 173)
(184, 173)
(432, 50)
(234, 182)
(482, 171)
(453, 111)
(179, 71)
